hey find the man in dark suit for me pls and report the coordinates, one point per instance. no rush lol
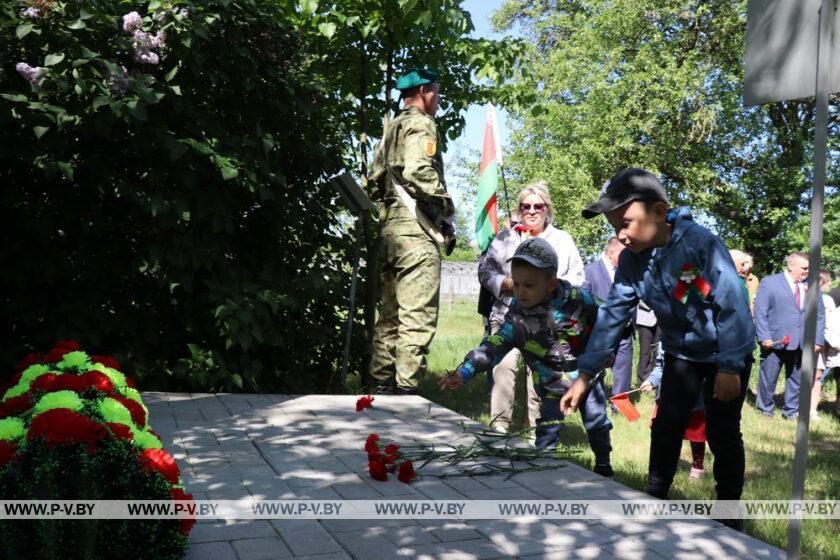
(779, 314)
(600, 276)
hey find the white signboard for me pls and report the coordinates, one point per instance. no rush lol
(781, 51)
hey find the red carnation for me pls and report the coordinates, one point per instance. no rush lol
(377, 470)
(61, 426)
(370, 444)
(186, 522)
(29, 360)
(8, 451)
(47, 382)
(97, 380)
(55, 355)
(107, 361)
(129, 381)
(120, 431)
(363, 403)
(161, 461)
(390, 454)
(406, 472)
(137, 412)
(786, 340)
(16, 405)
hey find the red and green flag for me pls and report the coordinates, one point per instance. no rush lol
(486, 209)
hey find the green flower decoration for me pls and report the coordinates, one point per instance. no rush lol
(132, 394)
(33, 371)
(145, 440)
(76, 359)
(59, 399)
(19, 389)
(117, 378)
(115, 411)
(31, 374)
(12, 429)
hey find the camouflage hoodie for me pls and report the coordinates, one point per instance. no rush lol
(550, 336)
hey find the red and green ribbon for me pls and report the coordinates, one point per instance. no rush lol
(690, 279)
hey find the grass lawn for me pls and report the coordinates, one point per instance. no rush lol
(769, 442)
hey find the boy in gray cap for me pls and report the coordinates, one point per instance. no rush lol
(549, 321)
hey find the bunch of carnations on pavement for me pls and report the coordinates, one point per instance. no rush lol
(385, 459)
(74, 427)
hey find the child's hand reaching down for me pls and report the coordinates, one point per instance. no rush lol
(452, 380)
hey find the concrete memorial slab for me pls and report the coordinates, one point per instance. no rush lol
(279, 447)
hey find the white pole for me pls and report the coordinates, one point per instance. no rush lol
(824, 47)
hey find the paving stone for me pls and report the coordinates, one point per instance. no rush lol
(305, 536)
(311, 447)
(460, 550)
(411, 535)
(210, 551)
(336, 526)
(450, 531)
(261, 549)
(435, 489)
(331, 556)
(702, 542)
(232, 530)
(368, 544)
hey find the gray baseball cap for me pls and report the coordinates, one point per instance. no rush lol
(536, 252)
(631, 184)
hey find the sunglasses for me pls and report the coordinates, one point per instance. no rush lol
(538, 207)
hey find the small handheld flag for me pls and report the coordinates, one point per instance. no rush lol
(625, 407)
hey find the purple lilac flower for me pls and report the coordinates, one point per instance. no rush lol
(157, 41)
(146, 57)
(31, 74)
(30, 13)
(132, 22)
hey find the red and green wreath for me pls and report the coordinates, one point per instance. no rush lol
(73, 426)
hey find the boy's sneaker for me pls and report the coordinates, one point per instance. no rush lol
(604, 470)
(696, 474)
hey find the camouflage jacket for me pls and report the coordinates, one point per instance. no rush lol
(412, 146)
(550, 336)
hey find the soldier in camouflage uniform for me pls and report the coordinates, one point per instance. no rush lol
(409, 257)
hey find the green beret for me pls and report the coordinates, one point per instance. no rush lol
(417, 77)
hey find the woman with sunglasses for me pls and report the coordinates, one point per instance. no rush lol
(535, 213)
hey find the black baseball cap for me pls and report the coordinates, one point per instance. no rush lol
(537, 252)
(631, 184)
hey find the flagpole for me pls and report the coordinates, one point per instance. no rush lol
(497, 140)
(507, 198)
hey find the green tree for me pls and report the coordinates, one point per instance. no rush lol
(658, 84)
(361, 47)
(164, 177)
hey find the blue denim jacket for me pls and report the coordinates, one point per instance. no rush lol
(716, 328)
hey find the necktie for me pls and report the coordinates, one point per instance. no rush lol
(796, 295)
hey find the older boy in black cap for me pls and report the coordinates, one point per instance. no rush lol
(549, 321)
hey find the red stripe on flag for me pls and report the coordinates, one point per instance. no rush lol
(488, 151)
(490, 211)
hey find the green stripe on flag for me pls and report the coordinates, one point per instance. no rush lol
(487, 184)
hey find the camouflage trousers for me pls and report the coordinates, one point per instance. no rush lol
(408, 308)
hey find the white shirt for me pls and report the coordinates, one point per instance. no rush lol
(796, 286)
(610, 268)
